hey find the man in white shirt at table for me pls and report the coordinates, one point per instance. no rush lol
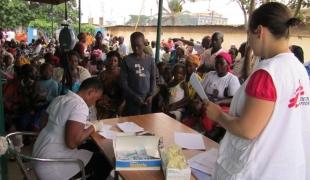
(65, 130)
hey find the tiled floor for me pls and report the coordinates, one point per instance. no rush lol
(14, 172)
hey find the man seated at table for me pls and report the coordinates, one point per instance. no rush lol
(65, 131)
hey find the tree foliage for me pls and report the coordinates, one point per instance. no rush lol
(172, 10)
(15, 13)
(85, 28)
(295, 5)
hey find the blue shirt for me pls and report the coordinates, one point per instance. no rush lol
(48, 88)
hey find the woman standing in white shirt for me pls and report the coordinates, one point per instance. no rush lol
(268, 126)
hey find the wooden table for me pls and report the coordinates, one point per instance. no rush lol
(161, 125)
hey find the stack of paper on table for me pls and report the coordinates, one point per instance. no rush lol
(108, 134)
(189, 140)
(205, 161)
(200, 175)
(130, 127)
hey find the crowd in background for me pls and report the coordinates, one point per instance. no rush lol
(34, 74)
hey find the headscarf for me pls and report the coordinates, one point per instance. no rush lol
(55, 60)
(227, 57)
(98, 54)
(193, 59)
(23, 60)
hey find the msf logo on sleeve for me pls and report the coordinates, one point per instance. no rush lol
(140, 70)
(299, 98)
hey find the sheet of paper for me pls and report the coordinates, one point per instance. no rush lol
(204, 161)
(130, 127)
(104, 127)
(108, 134)
(189, 140)
(200, 175)
(198, 87)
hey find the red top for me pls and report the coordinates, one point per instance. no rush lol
(261, 86)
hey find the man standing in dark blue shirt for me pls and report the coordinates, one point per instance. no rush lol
(138, 78)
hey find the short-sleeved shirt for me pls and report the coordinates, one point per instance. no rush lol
(261, 86)
(213, 82)
(51, 141)
(48, 87)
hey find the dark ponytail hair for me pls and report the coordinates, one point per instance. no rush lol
(293, 22)
(276, 17)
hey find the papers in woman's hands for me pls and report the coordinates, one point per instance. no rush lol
(189, 140)
(198, 87)
(129, 127)
(205, 161)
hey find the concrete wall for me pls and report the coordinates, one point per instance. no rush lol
(232, 35)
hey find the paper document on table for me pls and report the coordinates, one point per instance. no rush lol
(198, 87)
(204, 161)
(130, 127)
(104, 127)
(189, 140)
(199, 175)
(101, 126)
(108, 134)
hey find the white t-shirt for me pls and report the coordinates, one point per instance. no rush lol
(10, 35)
(212, 82)
(51, 140)
(38, 48)
(123, 50)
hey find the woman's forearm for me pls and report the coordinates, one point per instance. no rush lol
(233, 125)
(253, 119)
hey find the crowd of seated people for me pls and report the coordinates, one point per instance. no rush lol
(133, 83)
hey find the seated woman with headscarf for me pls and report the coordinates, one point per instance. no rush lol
(220, 86)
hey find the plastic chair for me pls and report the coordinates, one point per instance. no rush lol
(25, 161)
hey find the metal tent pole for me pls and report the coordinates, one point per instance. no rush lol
(79, 16)
(52, 13)
(3, 164)
(160, 10)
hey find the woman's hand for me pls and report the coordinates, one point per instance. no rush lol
(213, 111)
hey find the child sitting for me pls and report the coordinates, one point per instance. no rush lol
(46, 89)
(178, 93)
(193, 113)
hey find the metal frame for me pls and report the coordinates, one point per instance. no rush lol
(20, 157)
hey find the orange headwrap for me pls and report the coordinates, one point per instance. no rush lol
(193, 59)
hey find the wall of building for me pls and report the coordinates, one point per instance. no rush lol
(232, 35)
